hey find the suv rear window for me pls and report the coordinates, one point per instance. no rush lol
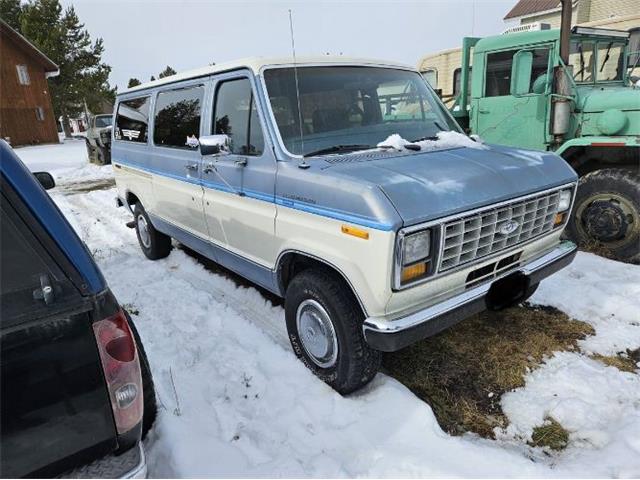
(177, 118)
(132, 120)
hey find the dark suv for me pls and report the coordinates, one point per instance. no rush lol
(77, 393)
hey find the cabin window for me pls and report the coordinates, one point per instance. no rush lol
(23, 74)
(132, 120)
(177, 118)
(236, 115)
(40, 114)
(431, 76)
(498, 72)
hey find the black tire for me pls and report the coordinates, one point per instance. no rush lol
(148, 388)
(157, 245)
(529, 293)
(356, 363)
(606, 214)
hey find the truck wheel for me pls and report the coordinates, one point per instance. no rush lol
(606, 213)
(155, 245)
(148, 388)
(90, 152)
(324, 323)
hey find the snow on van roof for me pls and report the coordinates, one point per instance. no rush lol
(255, 64)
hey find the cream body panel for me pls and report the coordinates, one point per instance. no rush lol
(180, 203)
(136, 181)
(367, 264)
(242, 225)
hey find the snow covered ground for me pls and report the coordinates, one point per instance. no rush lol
(234, 401)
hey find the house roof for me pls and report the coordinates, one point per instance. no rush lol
(255, 64)
(529, 7)
(45, 61)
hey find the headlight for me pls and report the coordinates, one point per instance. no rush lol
(564, 202)
(416, 247)
(413, 261)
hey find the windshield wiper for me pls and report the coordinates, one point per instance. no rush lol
(338, 149)
(422, 139)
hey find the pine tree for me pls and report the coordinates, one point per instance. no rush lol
(152, 78)
(10, 11)
(83, 78)
(133, 82)
(167, 72)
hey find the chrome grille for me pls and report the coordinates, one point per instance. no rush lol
(477, 235)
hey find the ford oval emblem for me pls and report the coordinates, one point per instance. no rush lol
(508, 227)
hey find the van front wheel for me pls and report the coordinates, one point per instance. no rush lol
(324, 322)
(154, 244)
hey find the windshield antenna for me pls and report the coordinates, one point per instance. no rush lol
(303, 163)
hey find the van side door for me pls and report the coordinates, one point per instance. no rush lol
(239, 186)
(514, 119)
(174, 157)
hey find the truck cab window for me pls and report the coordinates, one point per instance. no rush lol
(610, 66)
(236, 115)
(498, 73)
(581, 57)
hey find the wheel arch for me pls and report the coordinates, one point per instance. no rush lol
(587, 155)
(291, 262)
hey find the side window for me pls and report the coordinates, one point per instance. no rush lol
(431, 76)
(539, 70)
(457, 74)
(581, 57)
(177, 118)
(21, 269)
(498, 73)
(23, 75)
(236, 115)
(132, 120)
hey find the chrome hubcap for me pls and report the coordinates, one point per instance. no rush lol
(317, 334)
(143, 231)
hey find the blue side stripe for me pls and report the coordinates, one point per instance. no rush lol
(283, 201)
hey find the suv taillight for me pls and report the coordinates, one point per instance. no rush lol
(119, 357)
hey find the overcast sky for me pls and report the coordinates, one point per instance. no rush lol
(141, 37)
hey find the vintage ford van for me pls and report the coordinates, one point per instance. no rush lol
(345, 187)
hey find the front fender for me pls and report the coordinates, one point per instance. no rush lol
(598, 142)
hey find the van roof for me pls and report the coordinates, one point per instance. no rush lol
(255, 64)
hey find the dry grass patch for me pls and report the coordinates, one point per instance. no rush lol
(463, 371)
(626, 362)
(550, 435)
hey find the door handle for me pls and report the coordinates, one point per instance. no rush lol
(191, 166)
(482, 110)
(241, 162)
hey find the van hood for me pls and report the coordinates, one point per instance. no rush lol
(429, 185)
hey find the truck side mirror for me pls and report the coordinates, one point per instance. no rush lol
(521, 72)
(45, 179)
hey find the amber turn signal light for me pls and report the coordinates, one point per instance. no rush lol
(413, 271)
(558, 219)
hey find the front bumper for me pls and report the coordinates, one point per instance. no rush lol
(389, 335)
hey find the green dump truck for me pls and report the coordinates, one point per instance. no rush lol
(520, 93)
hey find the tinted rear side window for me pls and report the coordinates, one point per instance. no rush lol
(177, 118)
(132, 120)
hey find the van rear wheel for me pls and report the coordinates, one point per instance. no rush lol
(324, 322)
(154, 244)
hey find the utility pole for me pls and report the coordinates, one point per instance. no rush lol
(562, 86)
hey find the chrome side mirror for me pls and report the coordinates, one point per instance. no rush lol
(45, 179)
(215, 144)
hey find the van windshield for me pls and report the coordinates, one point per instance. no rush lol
(345, 108)
(103, 121)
